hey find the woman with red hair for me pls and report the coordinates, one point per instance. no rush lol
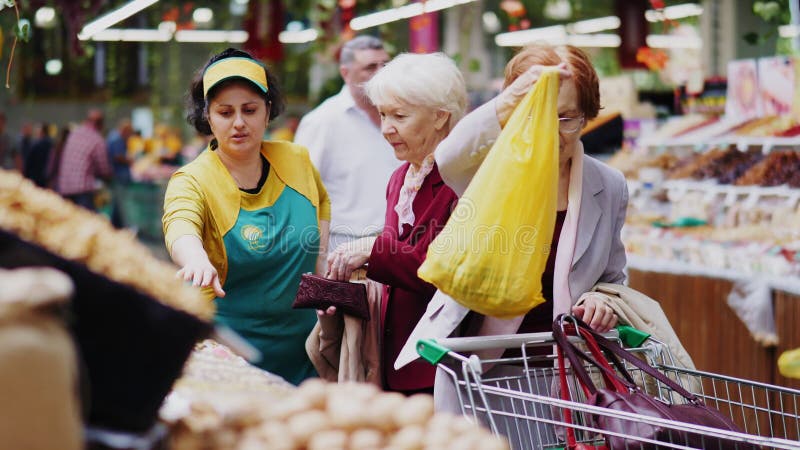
(591, 204)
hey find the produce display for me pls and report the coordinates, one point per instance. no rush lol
(221, 402)
(44, 218)
(716, 194)
(729, 166)
(133, 323)
(687, 167)
(776, 169)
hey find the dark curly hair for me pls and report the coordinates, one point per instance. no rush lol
(197, 107)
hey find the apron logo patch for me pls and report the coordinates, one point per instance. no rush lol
(254, 235)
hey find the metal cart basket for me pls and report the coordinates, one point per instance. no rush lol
(519, 397)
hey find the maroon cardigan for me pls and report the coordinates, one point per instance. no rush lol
(395, 258)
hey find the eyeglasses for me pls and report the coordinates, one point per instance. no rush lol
(570, 124)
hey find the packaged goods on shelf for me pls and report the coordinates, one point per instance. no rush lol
(731, 165)
(678, 125)
(688, 166)
(764, 126)
(749, 229)
(776, 169)
(630, 163)
(710, 250)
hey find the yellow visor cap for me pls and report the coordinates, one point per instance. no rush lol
(235, 67)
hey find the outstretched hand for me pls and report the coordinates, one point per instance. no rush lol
(515, 92)
(201, 274)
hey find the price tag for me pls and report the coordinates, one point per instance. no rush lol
(742, 145)
(767, 145)
(677, 191)
(793, 198)
(731, 198)
(711, 193)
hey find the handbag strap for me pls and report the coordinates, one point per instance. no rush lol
(617, 350)
(612, 380)
(567, 413)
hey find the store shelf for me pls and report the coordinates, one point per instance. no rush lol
(700, 143)
(731, 193)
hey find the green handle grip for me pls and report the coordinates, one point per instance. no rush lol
(431, 351)
(630, 336)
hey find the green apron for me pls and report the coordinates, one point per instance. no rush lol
(267, 251)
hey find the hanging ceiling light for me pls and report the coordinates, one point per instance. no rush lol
(239, 7)
(219, 36)
(45, 17)
(403, 12)
(594, 25)
(202, 16)
(490, 22)
(298, 36)
(53, 66)
(576, 34)
(673, 41)
(558, 9)
(113, 17)
(553, 35)
(132, 35)
(674, 12)
(297, 33)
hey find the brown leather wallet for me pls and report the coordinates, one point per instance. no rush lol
(319, 293)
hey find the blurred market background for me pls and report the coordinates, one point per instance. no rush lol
(701, 113)
(134, 59)
(657, 60)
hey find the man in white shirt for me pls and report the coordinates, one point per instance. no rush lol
(344, 140)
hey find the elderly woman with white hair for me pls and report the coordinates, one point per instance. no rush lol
(420, 97)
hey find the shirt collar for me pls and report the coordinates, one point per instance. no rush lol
(345, 99)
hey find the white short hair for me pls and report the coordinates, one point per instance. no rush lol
(431, 80)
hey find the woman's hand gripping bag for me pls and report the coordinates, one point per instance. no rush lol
(491, 253)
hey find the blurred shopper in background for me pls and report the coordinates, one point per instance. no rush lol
(420, 98)
(287, 130)
(25, 142)
(344, 139)
(10, 157)
(39, 155)
(54, 161)
(83, 160)
(118, 154)
(118, 151)
(247, 217)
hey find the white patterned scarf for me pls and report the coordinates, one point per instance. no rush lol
(411, 185)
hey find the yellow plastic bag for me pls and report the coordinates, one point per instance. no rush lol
(491, 253)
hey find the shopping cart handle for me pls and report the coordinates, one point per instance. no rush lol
(631, 337)
(431, 351)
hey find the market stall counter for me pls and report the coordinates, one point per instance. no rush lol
(716, 337)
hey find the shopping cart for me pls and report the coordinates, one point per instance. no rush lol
(519, 397)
